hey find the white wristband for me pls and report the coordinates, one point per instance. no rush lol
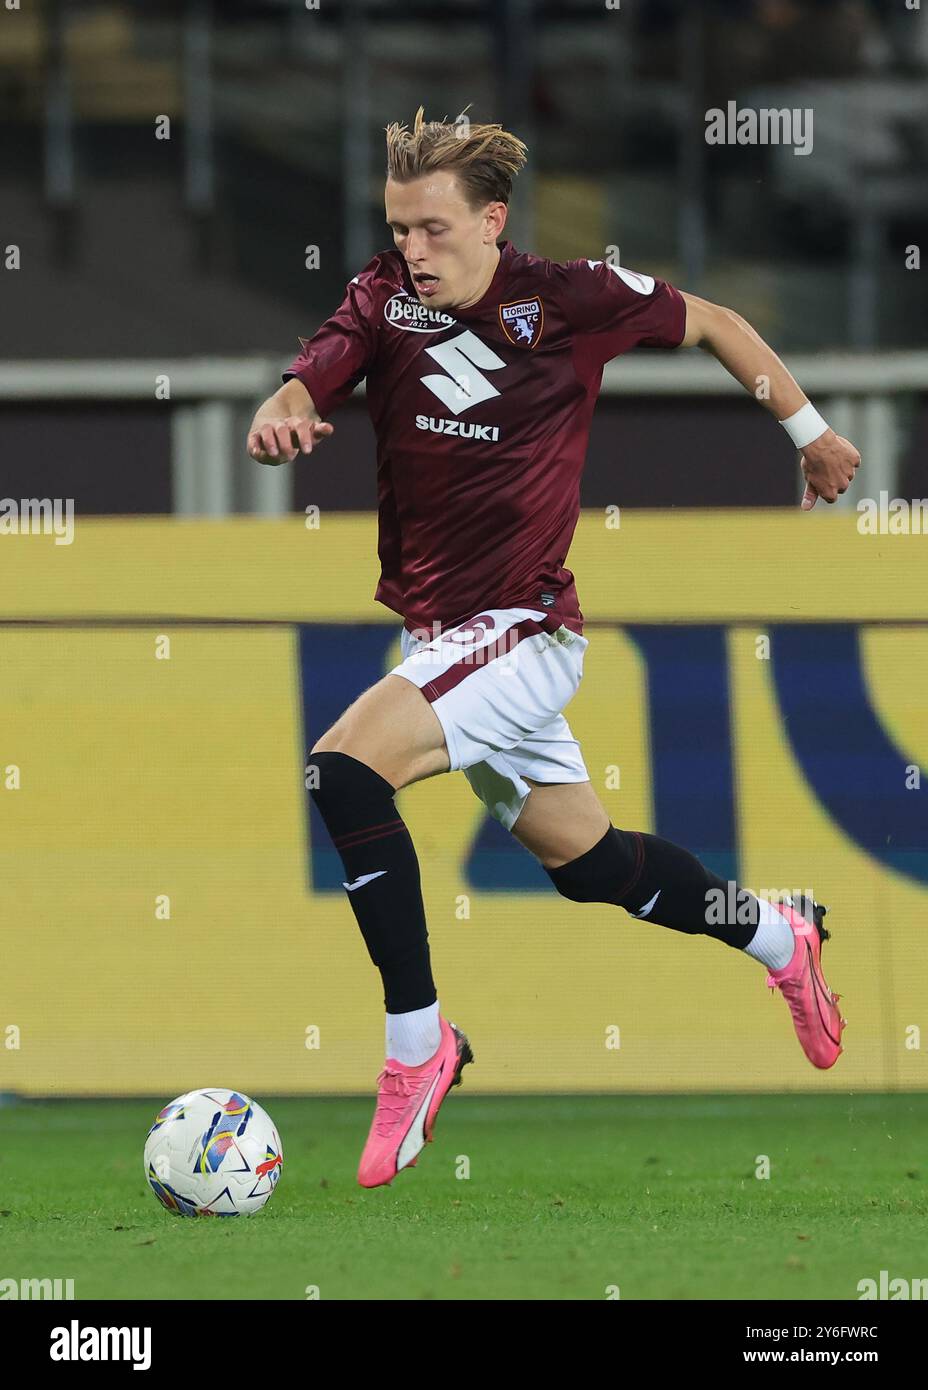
(805, 426)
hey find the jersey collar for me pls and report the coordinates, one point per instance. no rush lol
(489, 299)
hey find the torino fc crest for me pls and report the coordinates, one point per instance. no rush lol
(522, 321)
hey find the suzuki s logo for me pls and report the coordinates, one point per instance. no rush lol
(464, 385)
(402, 311)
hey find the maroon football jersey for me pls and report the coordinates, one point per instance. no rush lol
(482, 418)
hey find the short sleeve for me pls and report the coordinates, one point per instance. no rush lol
(620, 308)
(338, 356)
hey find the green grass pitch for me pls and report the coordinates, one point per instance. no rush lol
(566, 1199)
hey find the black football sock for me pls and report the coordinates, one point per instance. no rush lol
(382, 874)
(660, 882)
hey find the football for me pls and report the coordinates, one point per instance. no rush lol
(213, 1152)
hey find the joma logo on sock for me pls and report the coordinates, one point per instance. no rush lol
(892, 1288)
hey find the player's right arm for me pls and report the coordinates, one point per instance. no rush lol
(287, 424)
(332, 363)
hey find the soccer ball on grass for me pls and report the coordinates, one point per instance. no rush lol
(213, 1153)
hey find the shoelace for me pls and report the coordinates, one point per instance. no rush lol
(391, 1101)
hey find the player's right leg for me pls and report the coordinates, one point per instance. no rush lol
(394, 730)
(483, 685)
(387, 739)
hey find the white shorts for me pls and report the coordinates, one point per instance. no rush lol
(498, 684)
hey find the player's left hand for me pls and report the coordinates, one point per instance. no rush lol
(828, 465)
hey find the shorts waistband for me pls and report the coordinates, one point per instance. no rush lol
(549, 622)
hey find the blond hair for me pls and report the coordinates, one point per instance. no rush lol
(484, 158)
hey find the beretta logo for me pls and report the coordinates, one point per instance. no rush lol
(402, 311)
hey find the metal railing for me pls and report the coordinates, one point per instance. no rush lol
(212, 400)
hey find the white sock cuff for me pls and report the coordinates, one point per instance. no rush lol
(412, 1038)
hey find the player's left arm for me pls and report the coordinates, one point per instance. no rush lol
(828, 461)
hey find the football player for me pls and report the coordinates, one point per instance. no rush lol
(483, 364)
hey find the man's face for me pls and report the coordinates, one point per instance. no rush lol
(444, 242)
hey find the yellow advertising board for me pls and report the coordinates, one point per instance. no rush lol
(755, 688)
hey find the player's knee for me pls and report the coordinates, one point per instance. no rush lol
(596, 876)
(338, 782)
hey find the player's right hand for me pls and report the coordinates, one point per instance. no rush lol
(279, 441)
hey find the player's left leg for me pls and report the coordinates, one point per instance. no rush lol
(588, 860)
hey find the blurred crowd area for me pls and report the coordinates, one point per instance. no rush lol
(133, 245)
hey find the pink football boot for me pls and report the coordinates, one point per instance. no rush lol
(816, 1017)
(408, 1100)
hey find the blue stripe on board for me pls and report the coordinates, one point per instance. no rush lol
(337, 662)
(853, 767)
(497, 863)
(692, 775)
